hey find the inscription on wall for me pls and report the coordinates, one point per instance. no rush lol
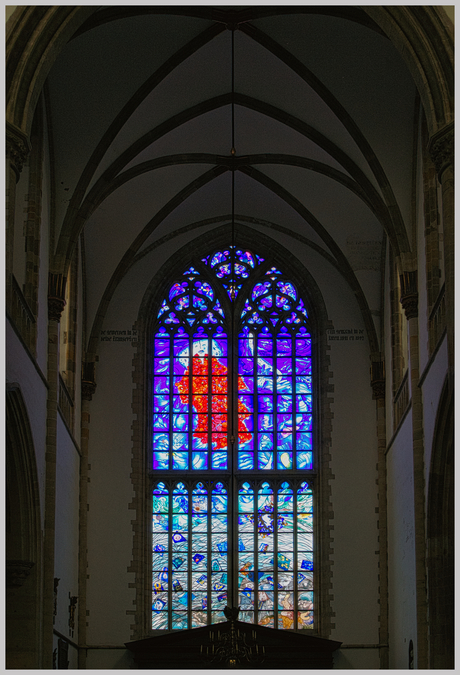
(128, 335)
(364, 255)
(346, 334)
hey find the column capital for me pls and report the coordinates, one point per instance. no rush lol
(378, 379)
(56, 296)
(409, 294)
(441, 148)
(17, 148)
(88, 381)
(17, 572)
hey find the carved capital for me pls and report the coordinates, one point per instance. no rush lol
(56, 296)
(409, 294)
(441, 149)
(378, 380)
(17, 572)
(17, 148)
(88, 388)
(88, 380)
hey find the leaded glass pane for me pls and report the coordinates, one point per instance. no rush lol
(197, 362)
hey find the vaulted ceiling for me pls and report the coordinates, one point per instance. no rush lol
(141, 102)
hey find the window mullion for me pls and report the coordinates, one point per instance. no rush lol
(296, 548)
(275, 554)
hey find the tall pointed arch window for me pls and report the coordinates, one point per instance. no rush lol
(233, 458)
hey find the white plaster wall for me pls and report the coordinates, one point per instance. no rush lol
(109, 495)
(401, 546)
(66, 527)
(21, 369)
(354, 490)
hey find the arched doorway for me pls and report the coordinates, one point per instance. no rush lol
(22, 538)
(440, 529)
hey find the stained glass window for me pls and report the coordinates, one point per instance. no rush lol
(233, 459)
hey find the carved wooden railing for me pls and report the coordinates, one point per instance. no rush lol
(23, 317)
(401, 400)
(66, 403)
(437, 320)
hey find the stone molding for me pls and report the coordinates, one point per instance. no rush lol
(409, 294)
(17, 148)
(17, 572)
(441, 149)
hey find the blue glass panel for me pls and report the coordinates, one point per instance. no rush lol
(178, 289)
(303, 385)
(180, 461)
(219, 460)
(284, 423)
(245, 257)
(265, 442)
(161, 442)
(180, 403)
(161, 366)
(303, 422)
(179, 442)
(303, 347)
(161, 385)
(161, 422)
(304, 441)
(161, 347)
(245, 460)
(265, 385)
(305, 460)
(180, 422)
(199, 441)
(260, 289)
(265, 460)
(303, 403)
(287, 288)
(284, 384)
(303, 366)
(265, 403)
(284, 403)
(265, 367)
(265, 345)
(181, 348)
(161, 403)
(284, 366)
(284, 346)
(265, 422)
(284, 460)
(161, 460)
(204, 288)
(199, 460)
(245, 366)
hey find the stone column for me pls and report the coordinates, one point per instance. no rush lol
(409, 301)
(56, 302)
(441, 148)
(378, 394)
(17, 150)
(88, 387)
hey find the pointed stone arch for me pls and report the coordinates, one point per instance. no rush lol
(23, 538)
